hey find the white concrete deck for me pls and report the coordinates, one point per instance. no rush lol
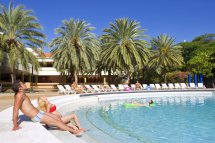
(32, 132)
(36, 133)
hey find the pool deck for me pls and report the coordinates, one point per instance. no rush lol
(36, 133)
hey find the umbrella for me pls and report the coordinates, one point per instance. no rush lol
(196, 79)
(189, 79)
(201, 78)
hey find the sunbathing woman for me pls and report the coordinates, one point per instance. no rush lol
(46, 106)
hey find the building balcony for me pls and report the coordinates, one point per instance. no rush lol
(48, 71)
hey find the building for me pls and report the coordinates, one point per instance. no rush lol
(47, 76)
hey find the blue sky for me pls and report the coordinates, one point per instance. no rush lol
(182, 19)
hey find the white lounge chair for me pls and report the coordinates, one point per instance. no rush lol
(89, 88)
(200, 85)
(145, 86)
(164, 86)
(192, 85)
(152, 86)
(183, 86)
(177, 86)
(95, 87)
(121, 87)
(113, 87)
(69, 89)
(171, 86)
(133, 87)
(157, 86)
(61, 89)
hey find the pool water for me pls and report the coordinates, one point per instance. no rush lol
(172, 120)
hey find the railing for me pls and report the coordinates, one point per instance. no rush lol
(48, 71)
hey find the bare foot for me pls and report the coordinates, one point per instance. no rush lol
(73, 127)
(82, 129)
(77, 133)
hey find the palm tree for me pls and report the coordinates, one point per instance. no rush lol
(124, 46)
(166, 54)
(1, 46)
(76, 49)
(19, 30)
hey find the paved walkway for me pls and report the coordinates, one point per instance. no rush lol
(7, 99)
(32, 132)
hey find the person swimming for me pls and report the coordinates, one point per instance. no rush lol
(148, 104)
(151, 102)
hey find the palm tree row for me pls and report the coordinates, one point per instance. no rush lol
(122, 47)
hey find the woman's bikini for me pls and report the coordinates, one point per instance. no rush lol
(52, 109)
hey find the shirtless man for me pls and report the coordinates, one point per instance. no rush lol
(23, 103)
(138, 85)
(76, 88)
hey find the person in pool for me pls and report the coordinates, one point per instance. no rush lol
(23, 103)
(148, 104)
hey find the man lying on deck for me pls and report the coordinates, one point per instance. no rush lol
(22, 102)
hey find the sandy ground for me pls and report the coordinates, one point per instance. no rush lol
(7, 99)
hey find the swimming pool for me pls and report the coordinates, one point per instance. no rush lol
(173, 119)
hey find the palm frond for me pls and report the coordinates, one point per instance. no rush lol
(124, 46)
(76, 47)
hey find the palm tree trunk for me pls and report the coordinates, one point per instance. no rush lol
(128, 77)
(71, 75)
(13, 75)
(128, 80)
(143, 70)
(76, 76)
(165, 79)
(109, 75)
